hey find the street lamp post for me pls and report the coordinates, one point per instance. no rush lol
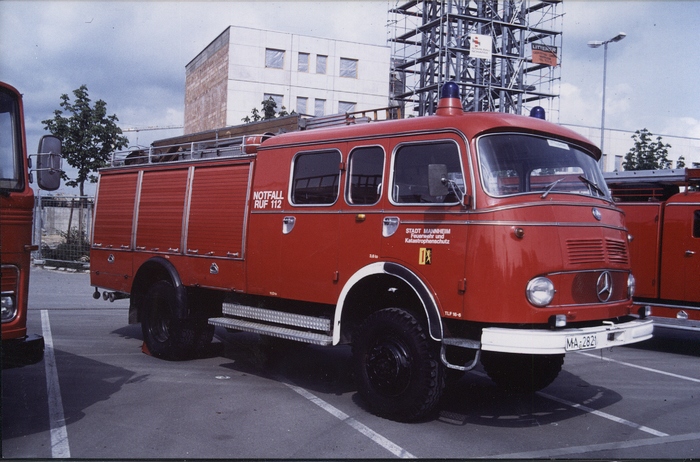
(596, 44)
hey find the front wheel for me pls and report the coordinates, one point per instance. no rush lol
(522, 373)
(397, 366)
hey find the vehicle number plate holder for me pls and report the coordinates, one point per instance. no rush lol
(581, 342)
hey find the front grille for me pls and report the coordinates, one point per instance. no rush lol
(617, 251)
(582, 251)
(587, 251)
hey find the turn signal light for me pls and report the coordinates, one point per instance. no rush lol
(557, 320)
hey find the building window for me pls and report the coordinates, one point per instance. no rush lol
(278, 99)
(316, 178)
(346, 106)
(274, 58)
(348, 68)
(365, 175)
(319, 107)
(303, 62)
(302, 103)
(321, 64)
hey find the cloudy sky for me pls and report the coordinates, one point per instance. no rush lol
(133, 55)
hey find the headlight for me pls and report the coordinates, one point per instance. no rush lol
(631, 285)
(540, 291)
(8, 306)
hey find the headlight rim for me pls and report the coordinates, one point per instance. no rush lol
(548, 292)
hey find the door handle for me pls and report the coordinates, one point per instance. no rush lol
(689, 253)
(390, 225)
(288, 224)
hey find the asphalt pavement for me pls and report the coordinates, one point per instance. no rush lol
(96, 395)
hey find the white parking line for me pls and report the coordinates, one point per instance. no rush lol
(604, 415)
(592, 448)
(362, 428)
(59, 434)
(648, 369)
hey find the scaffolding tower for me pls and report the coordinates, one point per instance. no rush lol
(433, 42)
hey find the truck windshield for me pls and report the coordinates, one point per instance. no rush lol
(10, 152)
(527, 164)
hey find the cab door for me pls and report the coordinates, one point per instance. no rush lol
(361, 217)
(680, 264)
(425, 228)
(309, 228)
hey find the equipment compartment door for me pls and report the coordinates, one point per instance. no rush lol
(680, 260)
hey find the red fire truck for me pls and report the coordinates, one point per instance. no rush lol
(427, 243)
(16, 211)
(662, 212)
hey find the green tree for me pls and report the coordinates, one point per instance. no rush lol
(680, 163)
(646, 154)
(269, 111)
(89, 135)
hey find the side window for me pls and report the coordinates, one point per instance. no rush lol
(365, 175)
(316, 178)
(696, 223)
(411, 167)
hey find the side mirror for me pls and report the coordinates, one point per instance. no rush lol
(48, 163)
(440, 184)
(437, 180)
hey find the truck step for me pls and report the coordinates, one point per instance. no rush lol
(273, 330)
(277, 317)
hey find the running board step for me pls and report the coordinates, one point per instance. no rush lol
(277, 317)
(273, 331)
(280, 324)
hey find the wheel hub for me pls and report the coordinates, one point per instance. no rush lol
(389, 367)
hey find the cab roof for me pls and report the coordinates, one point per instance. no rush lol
(471, 124)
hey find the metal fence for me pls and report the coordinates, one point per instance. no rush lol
(63, 230)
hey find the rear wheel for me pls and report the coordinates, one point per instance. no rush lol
(397, 366)
(165, 334)
(523, 373)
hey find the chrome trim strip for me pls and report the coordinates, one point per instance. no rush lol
(137, 206)
(246, 209)
(667, 305)
(184, 231)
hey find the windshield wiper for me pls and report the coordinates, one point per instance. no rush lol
(592, 185)
(550, 186)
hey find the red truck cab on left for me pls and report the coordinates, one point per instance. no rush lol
(16, 212)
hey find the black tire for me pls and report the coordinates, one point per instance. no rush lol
(166, 335)
(397, 367)
(204, 334)
(521, 373)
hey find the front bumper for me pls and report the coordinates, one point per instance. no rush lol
(22, 351)
(545, 341)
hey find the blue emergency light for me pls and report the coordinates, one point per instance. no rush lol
(537, 112)
(450, 90)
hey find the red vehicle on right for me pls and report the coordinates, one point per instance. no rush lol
(662, 212)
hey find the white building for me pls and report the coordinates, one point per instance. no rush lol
(308, 75)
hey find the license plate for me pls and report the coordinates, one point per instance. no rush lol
(580, 342)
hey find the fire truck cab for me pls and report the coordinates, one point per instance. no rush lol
(427, 244)
(16, 212)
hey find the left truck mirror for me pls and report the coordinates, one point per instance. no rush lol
(48, 163)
